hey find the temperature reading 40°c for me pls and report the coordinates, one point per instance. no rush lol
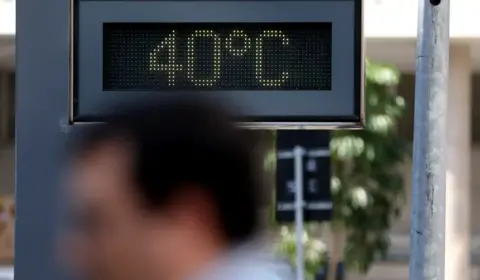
(164, 57)
(217, 56)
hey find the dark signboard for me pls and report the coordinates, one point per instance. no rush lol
(316, 175)
(280, 62)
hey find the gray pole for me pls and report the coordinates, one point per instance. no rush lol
(298, 153)
(427, 232)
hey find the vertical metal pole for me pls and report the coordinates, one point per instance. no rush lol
(427, 231)
(298, 153)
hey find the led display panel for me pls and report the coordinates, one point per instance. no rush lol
(217, 56)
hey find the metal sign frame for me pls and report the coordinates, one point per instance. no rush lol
(342, 107)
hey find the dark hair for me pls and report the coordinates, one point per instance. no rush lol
(185, 140)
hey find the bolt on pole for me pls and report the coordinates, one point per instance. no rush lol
(427, 231)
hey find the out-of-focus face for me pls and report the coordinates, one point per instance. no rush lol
(111, 239)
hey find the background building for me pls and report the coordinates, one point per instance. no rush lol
(390, 29)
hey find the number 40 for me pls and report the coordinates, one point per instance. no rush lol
(171, 67)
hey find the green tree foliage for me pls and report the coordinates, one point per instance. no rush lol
(367, 183)
(315, 250)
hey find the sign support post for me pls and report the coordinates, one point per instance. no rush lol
(427, 231)
(303, 184)
(298, 153)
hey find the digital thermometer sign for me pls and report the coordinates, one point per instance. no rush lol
(228, 56)
(281, 63)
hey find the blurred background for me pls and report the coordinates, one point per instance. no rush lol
(370, 230)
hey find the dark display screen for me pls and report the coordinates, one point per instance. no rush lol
(217, 56)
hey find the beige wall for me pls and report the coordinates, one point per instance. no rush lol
(407, 89)
(403, 225)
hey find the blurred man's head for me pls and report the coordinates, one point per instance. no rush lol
(159, 191)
